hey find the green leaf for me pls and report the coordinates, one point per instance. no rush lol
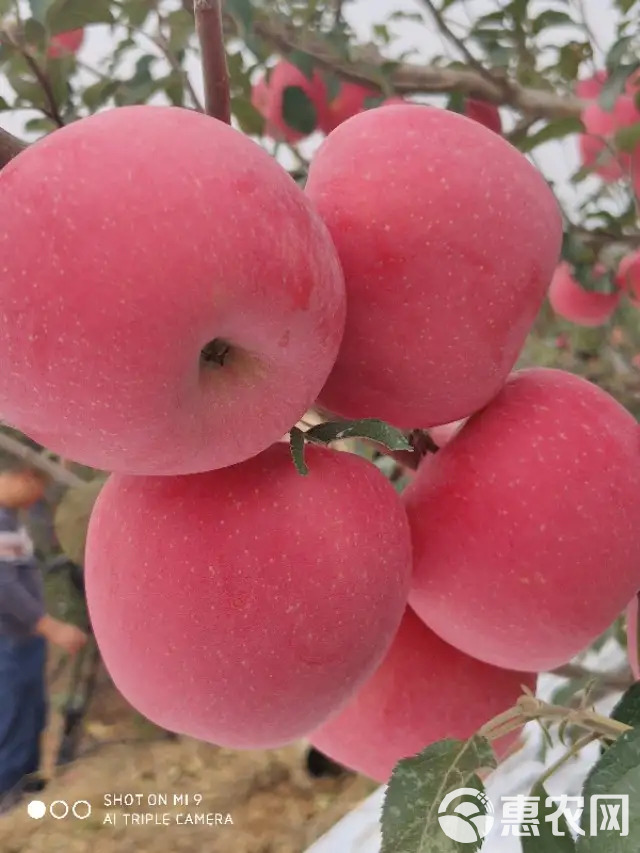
(333, 84)
(551, 18)
(547, 841)
(371, 428)
(65, 15)
(39, 9)
(553, 130)
(98, 94)
(421, 786)
(628, 138)
(614, 85)
(616, 775)
(5, 105)
(304, 61)
(247, 116)
(628, 708)
(296, 443)
(35, 34)
(181, 29)
(298, 110)
(242, 12)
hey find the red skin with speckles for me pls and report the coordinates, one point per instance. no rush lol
(584, 307)
(100, 345)
(423, 692)
(448, 239)
(244, 606)
(526, 526)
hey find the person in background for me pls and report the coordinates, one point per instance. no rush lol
(24, 630)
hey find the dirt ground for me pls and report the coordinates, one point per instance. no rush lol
(274, 806)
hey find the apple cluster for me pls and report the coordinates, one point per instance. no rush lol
(602, 155)
(172, 303)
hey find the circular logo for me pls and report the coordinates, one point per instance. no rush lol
(470, 820)
(36, 809)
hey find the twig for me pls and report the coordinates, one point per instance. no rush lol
(208, 14)
(453, 38)
(337, 12)
(620, 678)
(10, 147)
(409, 78)
(529, 708)
(33, 457)
(574, 750)
(53, 111)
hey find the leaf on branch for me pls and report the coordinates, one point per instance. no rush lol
(628, 708)
(628, 138)
(549, 841)
(421, 786)
(65, 15)
(250, 120)
(242, 13)
(371, 428)
(616, 775)
(554, 130)
(298, 110)
(296, 443)
(303, 61)
(39, 9)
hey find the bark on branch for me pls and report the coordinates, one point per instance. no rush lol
(33, 457)
(208, 15)
(10, 147)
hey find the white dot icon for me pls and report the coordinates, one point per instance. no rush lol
(36, 809)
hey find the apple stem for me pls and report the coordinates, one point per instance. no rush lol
(208, 14)
(10, 147)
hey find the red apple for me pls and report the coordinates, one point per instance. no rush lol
(423, 692)
(163, 230)
(268, 98)
(245, 605)
(485, 113)
(628, 276)
(526, 526)
(65, 44)
(444, 433)
(571, 301)
(448, 238)
(597, 145)
(590, 88)
(350, 100)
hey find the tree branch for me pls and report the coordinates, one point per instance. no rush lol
(32, 457)
(53, 112)
(162, 43)
(208, 14)
(10, 147)
(367, 63)
(453, 38)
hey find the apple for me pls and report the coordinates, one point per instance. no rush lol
(590, 87)
(628, 276)
(245, 605)
(526, 526)
(268, 98)
(350, 100)
(191, 305)
(584, 307)
(448, 239)
(444, 433)
(485, 113)
(65, 44)
(597, 144)
(424, 691)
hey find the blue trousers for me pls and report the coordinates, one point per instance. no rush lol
(23, 708)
